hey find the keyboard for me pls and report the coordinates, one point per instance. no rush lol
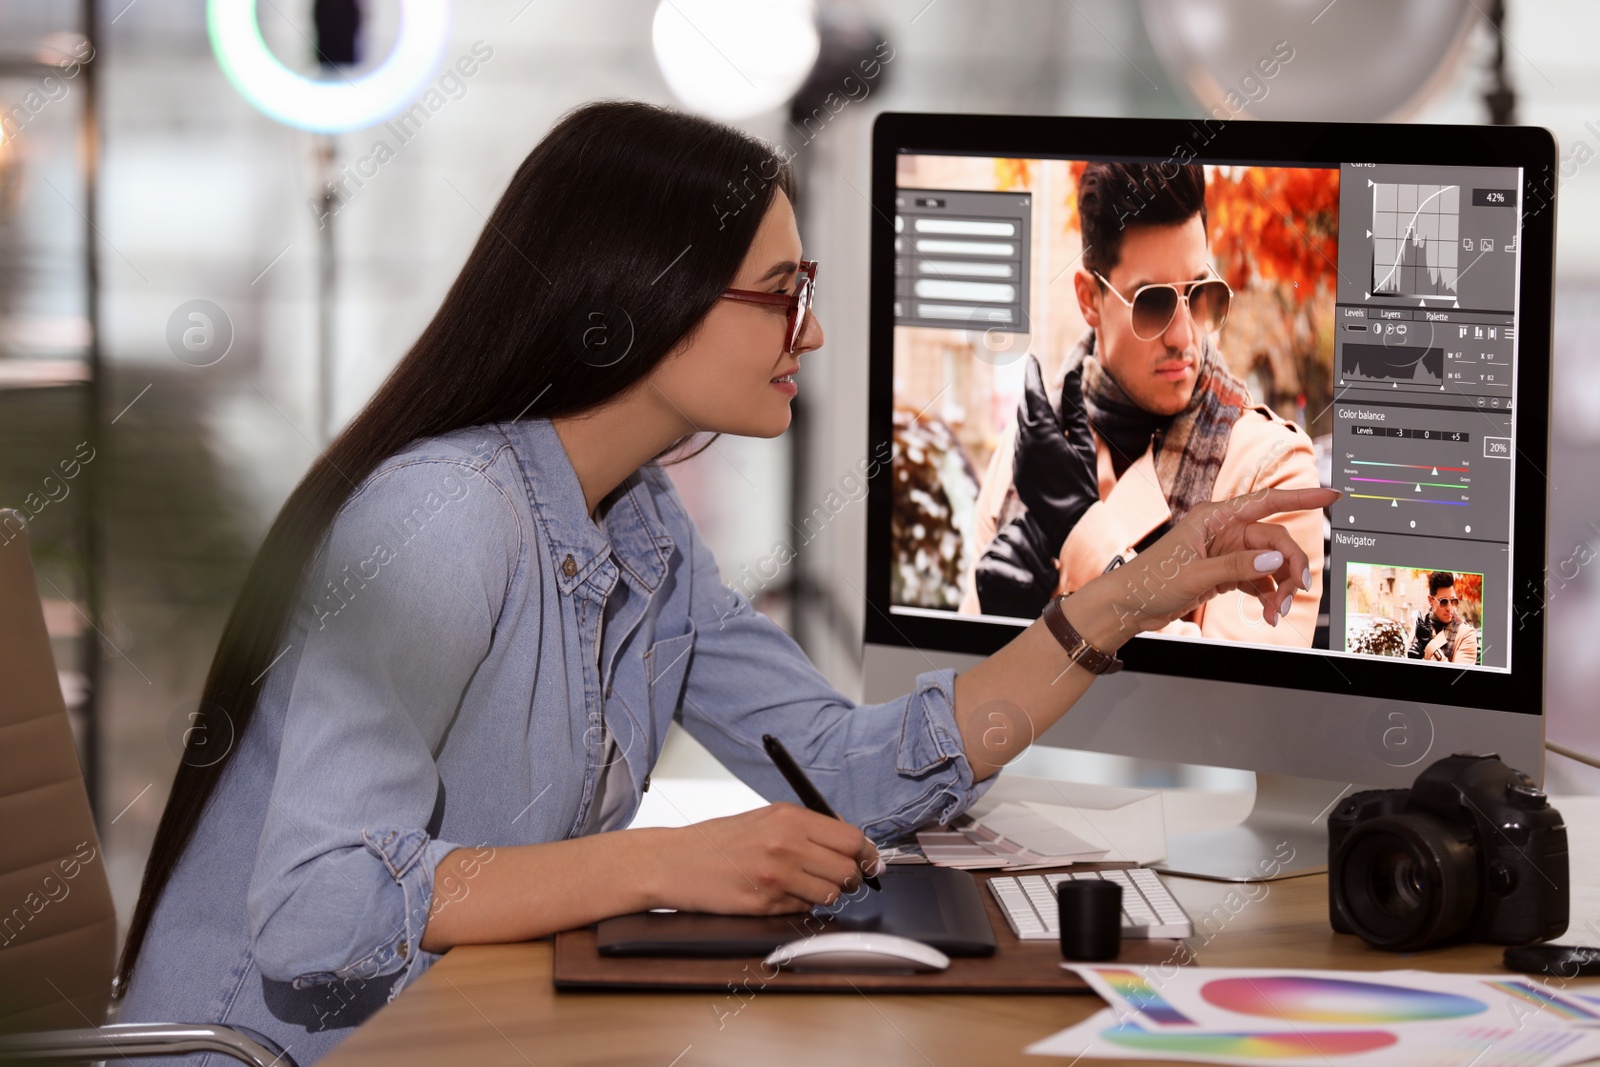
(1148, 908)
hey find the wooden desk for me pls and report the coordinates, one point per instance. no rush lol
(491, 1005)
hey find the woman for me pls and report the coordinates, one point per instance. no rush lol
(453, 662)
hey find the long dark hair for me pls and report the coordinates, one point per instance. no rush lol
(637, 214)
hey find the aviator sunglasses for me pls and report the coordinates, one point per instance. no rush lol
(1154, 306)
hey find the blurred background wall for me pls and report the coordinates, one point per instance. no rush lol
(195, 195)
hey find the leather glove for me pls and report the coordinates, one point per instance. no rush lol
(1054, 468)
(1017, 574)
(1420, 639)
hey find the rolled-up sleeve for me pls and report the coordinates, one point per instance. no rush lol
(886, 768)
(398, 617)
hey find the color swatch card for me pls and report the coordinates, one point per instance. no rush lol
(1209, 1014)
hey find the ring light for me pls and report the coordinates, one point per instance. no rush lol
(328, 106)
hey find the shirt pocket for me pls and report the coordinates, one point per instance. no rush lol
(666, 669)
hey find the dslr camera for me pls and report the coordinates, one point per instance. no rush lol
(1473, 851)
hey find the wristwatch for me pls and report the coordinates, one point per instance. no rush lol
(1078, 648)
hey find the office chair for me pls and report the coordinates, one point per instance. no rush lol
(58, 926)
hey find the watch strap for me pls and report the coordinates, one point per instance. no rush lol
(1085, 655)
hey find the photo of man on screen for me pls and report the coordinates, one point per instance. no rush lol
(1442, 633)
(1143, 421)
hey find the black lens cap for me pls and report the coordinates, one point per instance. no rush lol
(1090, 911)
(1559, 961)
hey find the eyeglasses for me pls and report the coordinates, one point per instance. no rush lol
(798, 302)
(1154, 306)
(1448, 601)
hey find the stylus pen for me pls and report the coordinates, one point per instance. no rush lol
(802, 786)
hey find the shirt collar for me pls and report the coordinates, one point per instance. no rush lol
(637, 536)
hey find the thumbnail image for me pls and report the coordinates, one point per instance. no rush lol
(1083, 352)
(1412, 613)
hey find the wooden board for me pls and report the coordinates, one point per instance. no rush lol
(1016, 967)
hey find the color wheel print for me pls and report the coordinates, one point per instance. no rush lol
(1331, 1000)
(1251, 1046)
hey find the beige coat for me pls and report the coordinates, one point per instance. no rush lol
(1466, 646)
(1264, 451)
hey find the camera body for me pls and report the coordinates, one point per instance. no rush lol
(1473, 851)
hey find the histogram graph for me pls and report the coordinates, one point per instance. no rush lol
(1377, 363)
(1415, 239)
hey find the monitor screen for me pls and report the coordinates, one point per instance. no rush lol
(1085, 344)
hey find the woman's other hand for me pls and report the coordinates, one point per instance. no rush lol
(780, 858)
(1215, 548)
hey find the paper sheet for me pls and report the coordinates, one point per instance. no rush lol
(1225, 996)
(1010, 837)
(1362, 1018)
(1102, 1036)
(1128, 823)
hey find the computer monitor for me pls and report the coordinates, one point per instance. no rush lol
(1390, 320)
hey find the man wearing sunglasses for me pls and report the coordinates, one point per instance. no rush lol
(1443, 635)
(1142, 422)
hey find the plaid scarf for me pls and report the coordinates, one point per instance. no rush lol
(1189, 446)
(1448, 646)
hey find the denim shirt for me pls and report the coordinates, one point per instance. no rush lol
(445, 682)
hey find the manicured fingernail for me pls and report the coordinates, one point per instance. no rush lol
(1305, 578)
(1269, 561)
(878, 866)
(1287, 602)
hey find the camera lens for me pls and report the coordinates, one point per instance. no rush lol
(1396, 884)
(1407, 881)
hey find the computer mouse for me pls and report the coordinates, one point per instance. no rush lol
(858, 951)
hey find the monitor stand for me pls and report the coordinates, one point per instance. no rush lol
(1284, 836)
